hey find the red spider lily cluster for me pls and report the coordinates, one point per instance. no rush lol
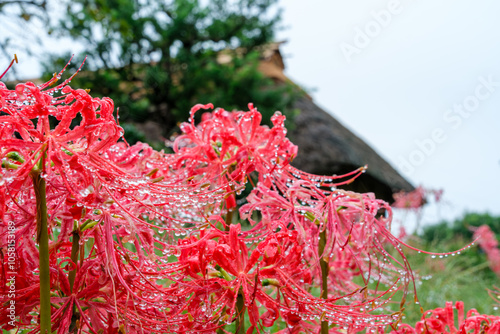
(415, 199)
(146, 242)
(443, 321)
(489, 244)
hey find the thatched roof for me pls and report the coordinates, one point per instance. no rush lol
(327, 147)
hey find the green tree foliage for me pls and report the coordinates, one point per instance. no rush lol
(157, 59)
(460, 228)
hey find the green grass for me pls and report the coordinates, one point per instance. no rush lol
(463, 277)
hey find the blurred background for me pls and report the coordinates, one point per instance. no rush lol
(410, 88)
(417, 82)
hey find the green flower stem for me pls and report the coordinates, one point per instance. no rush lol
(75, 247)
(240, 315)
(229, 218)
(230, 212)
(43, 242)
(324, 275)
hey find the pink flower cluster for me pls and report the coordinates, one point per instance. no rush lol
(415, 199)
(489, 244)
(443, 321)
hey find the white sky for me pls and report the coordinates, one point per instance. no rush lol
(400, 85)
(397, 89)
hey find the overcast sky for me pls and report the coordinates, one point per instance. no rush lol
(417, 80)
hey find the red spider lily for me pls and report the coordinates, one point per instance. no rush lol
(271, 274)
(255, 273)
(89, 188)
(412, 200)
(226, 147)
(416, 198)
(443, 321)
(489, 244)
(352, 230)
(128, 255)
(309, 205)
(236, 140)
(71, 153)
